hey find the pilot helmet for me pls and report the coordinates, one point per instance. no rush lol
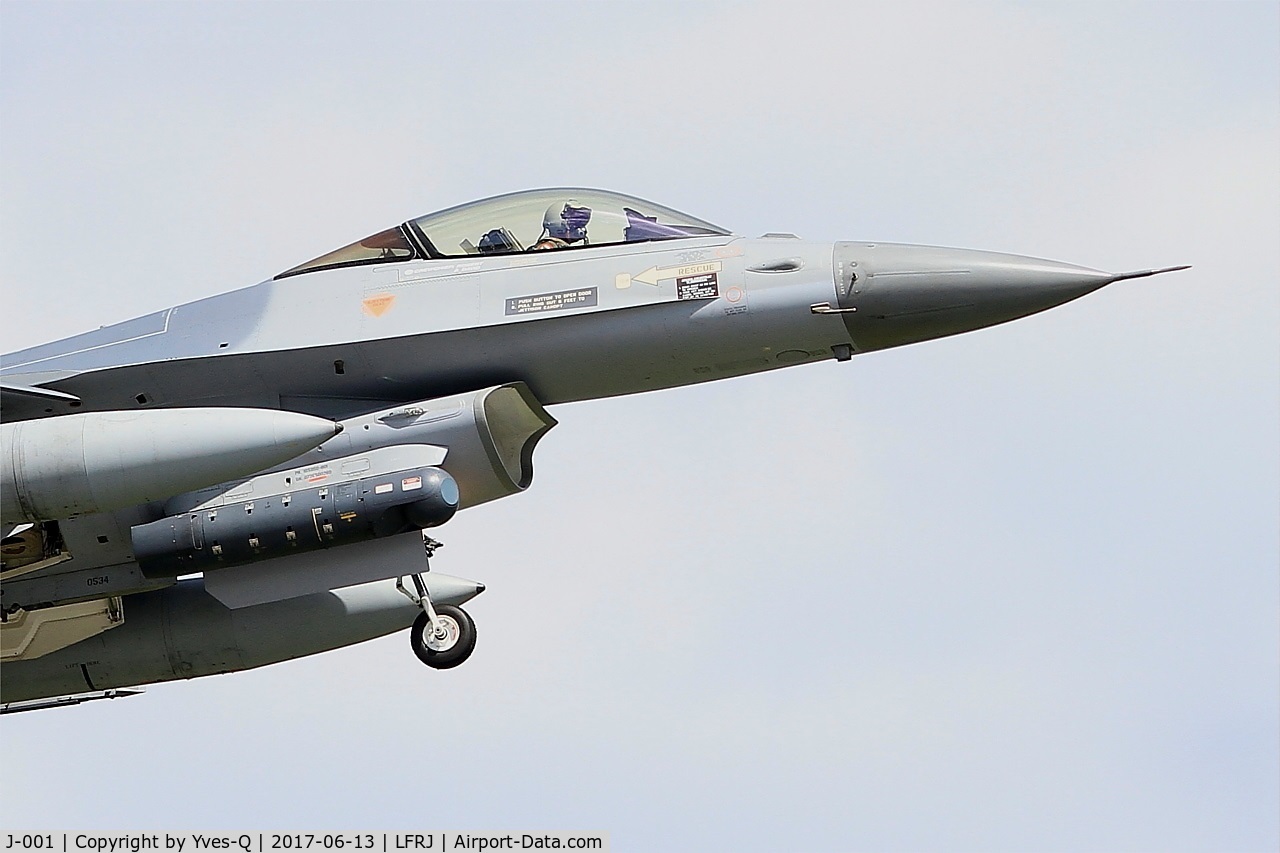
(566, 220)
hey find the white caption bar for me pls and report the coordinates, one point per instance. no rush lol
(275, 842)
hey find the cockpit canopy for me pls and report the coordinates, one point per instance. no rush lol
(529, 221)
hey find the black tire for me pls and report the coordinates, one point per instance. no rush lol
(455, 654)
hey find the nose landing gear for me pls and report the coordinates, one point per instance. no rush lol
(446, 641)
(442, 636)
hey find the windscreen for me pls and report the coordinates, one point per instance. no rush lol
(389, 245)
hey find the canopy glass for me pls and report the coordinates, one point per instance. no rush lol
(530, 221)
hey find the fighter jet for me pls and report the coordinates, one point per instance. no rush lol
(236, 481)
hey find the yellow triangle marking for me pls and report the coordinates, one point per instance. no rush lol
(376, 306)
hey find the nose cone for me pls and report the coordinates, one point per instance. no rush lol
(904, 294)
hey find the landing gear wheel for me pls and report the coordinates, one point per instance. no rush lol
(451, 644)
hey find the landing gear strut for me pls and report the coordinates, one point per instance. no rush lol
(442, 636)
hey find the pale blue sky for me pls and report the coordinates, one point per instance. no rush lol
(1014, 590)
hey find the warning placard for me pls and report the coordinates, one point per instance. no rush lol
(584, 297)
(705, 286)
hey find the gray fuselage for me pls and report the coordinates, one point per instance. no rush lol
(339, 341)
(341, 338)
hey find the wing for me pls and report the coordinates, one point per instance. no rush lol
(20, 401)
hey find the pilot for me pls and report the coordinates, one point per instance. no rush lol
(563, 225)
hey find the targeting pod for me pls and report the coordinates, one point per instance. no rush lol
(380, 493)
